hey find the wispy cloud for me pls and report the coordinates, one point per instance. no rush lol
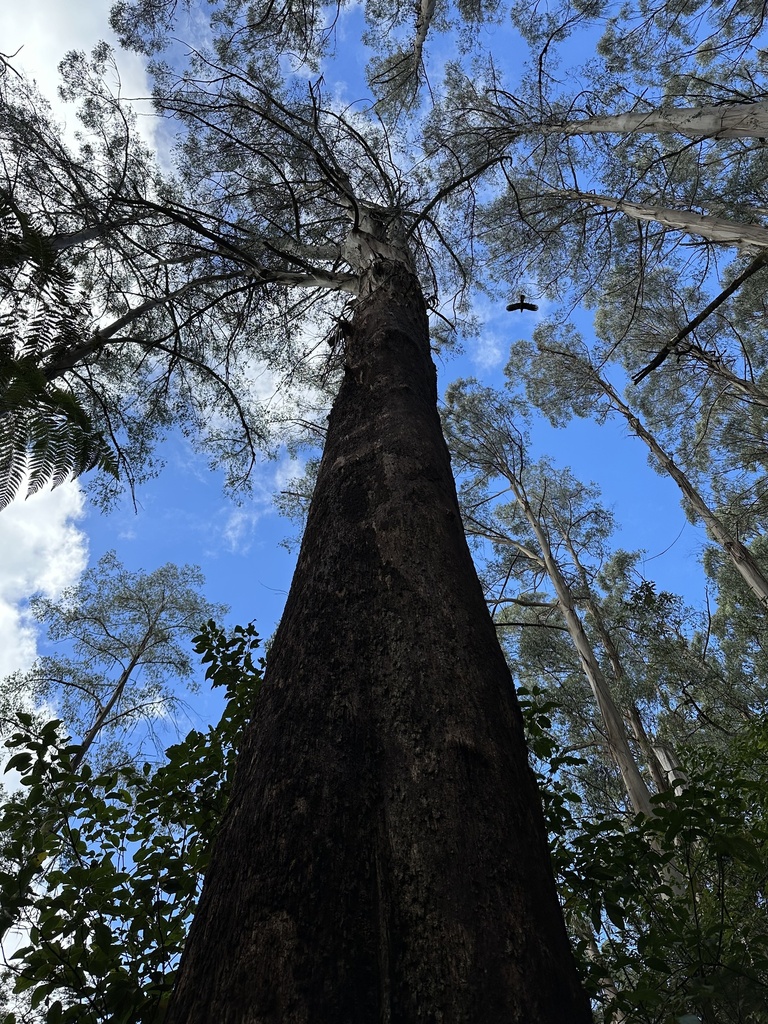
(239, 529)
(488, 351)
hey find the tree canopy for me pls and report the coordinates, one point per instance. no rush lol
(236, 290)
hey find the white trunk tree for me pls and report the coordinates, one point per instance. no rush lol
(714, 229)
(724, 121)
(739, 554)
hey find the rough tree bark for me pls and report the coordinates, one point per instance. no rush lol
(383, 857)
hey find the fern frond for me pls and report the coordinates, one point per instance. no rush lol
(13, 448)
(45, 434)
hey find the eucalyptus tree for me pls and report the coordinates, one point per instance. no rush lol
(648, 262)
(562, 379)
(546, 569)
(281, 192)
(384, 852)
(654, 215)
(611, 170)
(351, 874)
(655, 43)
(738, 624)
(126, 637)
(635, 183)
(713, 121)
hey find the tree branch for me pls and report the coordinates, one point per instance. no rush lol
(726, 293)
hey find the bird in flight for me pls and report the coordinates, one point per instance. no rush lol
(521, 305)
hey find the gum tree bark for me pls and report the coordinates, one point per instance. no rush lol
(383, 857)
(750, 237)
(724, 121)
(615, 732)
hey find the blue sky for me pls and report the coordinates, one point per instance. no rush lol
(183, 516)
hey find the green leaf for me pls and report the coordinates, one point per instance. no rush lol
(615, 914)
(21, 762)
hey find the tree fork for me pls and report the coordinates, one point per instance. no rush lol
(383, 857)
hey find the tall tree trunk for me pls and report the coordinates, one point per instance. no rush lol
(739, 553)
(724, 121)
(663, 765)
(615, 732)
(102, 713)
(751, 237)
(383, 859)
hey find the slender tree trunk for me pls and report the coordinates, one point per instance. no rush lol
(632, 716)
(724, 121)
(751, 237)
(383, 859)
(615, 732)
(716, 121)
(103, 713)
(742, 558)
(739, 553)
(662, 763)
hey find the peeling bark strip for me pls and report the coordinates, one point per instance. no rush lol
(383, 859)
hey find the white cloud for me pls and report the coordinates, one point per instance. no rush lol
(41, 547)
(49, 29)
(487, 351)
(239, 527)
(43, 551)
(288, 470)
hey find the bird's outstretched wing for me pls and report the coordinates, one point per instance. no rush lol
(521, 305)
